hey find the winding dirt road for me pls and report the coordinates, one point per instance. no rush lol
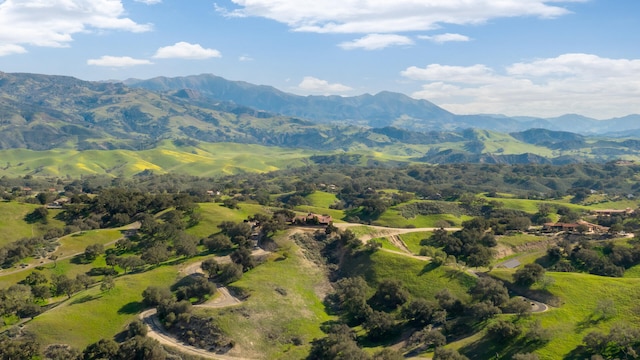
(382, 231)
(156, 331)
(392, 234)
(223, 299)
(226, 299)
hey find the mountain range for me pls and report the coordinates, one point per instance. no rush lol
(45, 112)
(379, 110)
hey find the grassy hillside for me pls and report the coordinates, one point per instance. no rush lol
(419, 277)
(91, 315)
(205, 160)
(284, 307)
(14, 227)
(214, 213)
(575, 316)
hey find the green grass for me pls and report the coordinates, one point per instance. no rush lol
(632, 272)
(12, 224)
(619, 204)
(420, 278)
(322, 199)
(336, 215)
(412, 240)
(264, 325)
(91, 315)
(76, 243)
(520, 239)
(386, 244)
(213, 214)
(574, 318)
(393, 218)
(67, 267)
(207, 159)
(531, 206)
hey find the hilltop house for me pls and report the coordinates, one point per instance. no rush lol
(57, 204)
(312, 219)
(573, 227)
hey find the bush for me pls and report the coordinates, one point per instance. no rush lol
(379, 325)
(503, 330)
(230, 273)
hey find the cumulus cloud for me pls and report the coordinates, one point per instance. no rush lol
(149, 2)
(185, 50)
(569, 83)
(457, 74)
(376, 42)
(9, 49)
(443, 38)
(378, 16)
(52, 23)
(314, 85)
(245, 58)
(118, 61)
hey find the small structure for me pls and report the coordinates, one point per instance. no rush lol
(510, 264)
(573, 227)
(611, 212)
(312, 219)
(57, 204)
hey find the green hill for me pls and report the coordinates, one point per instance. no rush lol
(52, 113)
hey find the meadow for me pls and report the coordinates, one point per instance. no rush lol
(14, 226)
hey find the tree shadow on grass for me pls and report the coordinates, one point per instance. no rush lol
(459, 274)
(79, 260)
(579, 353)
(428, 268)
(84, 299)
(488, 348)
(590, 320)
(133, 307)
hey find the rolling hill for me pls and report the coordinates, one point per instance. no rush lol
(57, 125)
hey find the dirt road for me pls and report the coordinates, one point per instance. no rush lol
(224, 299)
(156, 331)
(382, 231)
(392, 234)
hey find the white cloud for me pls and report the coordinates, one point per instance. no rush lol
(457, 74)
(184, 50)
(383, 16)
(149, 2)
(118, 61)
(9, 49)
(569, 83)
(376, 42)
(245, 58)
(52, 23)
(443, 38)
(314, 85)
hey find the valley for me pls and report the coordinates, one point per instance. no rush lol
(290, 295)
(145, 218)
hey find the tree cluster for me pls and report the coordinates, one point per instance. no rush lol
(610, 259)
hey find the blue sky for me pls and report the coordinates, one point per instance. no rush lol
(515, 57)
